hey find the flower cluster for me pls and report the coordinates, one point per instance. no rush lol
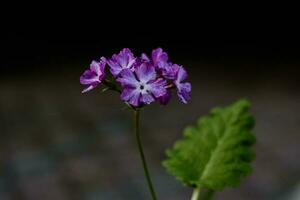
(143, 79)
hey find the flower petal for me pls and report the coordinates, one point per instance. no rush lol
(164, 100)
(88, 77)
(146, 98)
(157, 88)
(131, 95)
(127, 94)
(145, 72)
(115, 68)
(158, 55)
(95, 67)
(90, 87)
(103, 62)
(127, 78)
(181, 75)
(123, 60)
(126, 58)
(169, 71)
(135, 98)
(184, 92)
(94, 75)
(144, 57)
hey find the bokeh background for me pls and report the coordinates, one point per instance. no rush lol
(57, 143)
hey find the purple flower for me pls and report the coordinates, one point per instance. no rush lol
(183, 87)
(158, 55)
(160, 61)
(168, 70)
(140, 60)
(93, 76)
(141, 86)
(124, 60)
(143, 80)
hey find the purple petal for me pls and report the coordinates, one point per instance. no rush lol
(129, 58)
(98, 67)
(123, 60)
(94, 75)
(157, 88)
(134, 100)
(145, 72)
(131, 95)
(146, 98)
(95, 67)
(145, 58)
(181, 75)
(169, 71)
(127, 93)
(164, 100)
(127, 78)
(158, 55)
(114, 67)
(88, 77)
(183, 97)
(139, 61)
(103, 62)
(163, 65)
(90, 87)
(184, 92)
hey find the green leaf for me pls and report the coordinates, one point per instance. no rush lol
(217, 151)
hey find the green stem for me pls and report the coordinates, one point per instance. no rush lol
(196, 194)
(111, 85)
(140, 146)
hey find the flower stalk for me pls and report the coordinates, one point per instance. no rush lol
(110, 85)
(196, 194)
(208, 195)
(142, 155)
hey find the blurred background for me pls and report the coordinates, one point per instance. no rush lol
(57, 143)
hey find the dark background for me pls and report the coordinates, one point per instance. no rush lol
(57, 143)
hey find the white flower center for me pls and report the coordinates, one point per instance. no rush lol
(143, 87)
